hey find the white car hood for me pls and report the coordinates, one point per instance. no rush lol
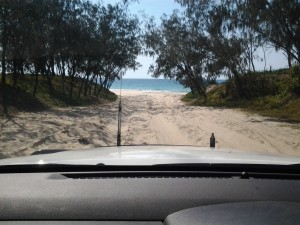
(152, 155)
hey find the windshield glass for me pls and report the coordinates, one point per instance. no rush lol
(79, 75)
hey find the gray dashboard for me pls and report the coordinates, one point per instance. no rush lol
(134, 200)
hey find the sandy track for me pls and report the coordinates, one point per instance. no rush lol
(161, 118)
(148, 118)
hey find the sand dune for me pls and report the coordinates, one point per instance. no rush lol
(148, 118)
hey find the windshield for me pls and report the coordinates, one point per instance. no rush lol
(80, 75)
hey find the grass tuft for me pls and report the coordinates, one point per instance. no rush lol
(286, 108)
(21, 98)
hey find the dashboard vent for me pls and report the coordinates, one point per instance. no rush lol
(134, 175)
(176, 174)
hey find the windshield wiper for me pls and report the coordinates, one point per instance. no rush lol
(243, 171)
(232, 171)
(235, 167)
(49, 167)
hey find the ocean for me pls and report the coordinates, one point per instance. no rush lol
(150, 85)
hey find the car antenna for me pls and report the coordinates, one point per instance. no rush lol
(212, 141)
(120, 113)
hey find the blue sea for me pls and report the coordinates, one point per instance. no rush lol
(150, 85)
(164, 85)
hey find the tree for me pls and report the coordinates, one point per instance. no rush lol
(275, 21)
(4, 36)
(231, 48)
(74, 39)
(181, 51)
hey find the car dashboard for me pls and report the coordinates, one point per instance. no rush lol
(147, 195)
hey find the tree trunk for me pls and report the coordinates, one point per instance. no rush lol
(86, 85)
(63, 75)
(49, 78)
(3, 79)
(200, 90)
(90, 89)
(21, 69)
(52, 64)
(253, 66)
(81, 86)
(289, 58)
(72, 78)
(36, 71)
(238, 83)
(36, 83)
(71, 86)
(15, 74)
(95, 87)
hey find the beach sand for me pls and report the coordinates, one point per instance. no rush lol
(147, 118)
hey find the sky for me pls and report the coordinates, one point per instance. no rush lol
(157, 8)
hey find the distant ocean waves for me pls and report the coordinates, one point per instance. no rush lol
(151, 85)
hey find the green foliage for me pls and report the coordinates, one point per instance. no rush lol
(286, 108)
(269, 94)
(236, 30)
(283, 82)
(251, 86)
(294, 86)
(76, 40)
(289, 82)
(177, 58)
(22, 99)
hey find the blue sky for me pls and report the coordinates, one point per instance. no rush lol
(157, 8)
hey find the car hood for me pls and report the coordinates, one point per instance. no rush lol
(151, 155)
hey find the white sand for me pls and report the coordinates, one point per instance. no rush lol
(148, 118)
